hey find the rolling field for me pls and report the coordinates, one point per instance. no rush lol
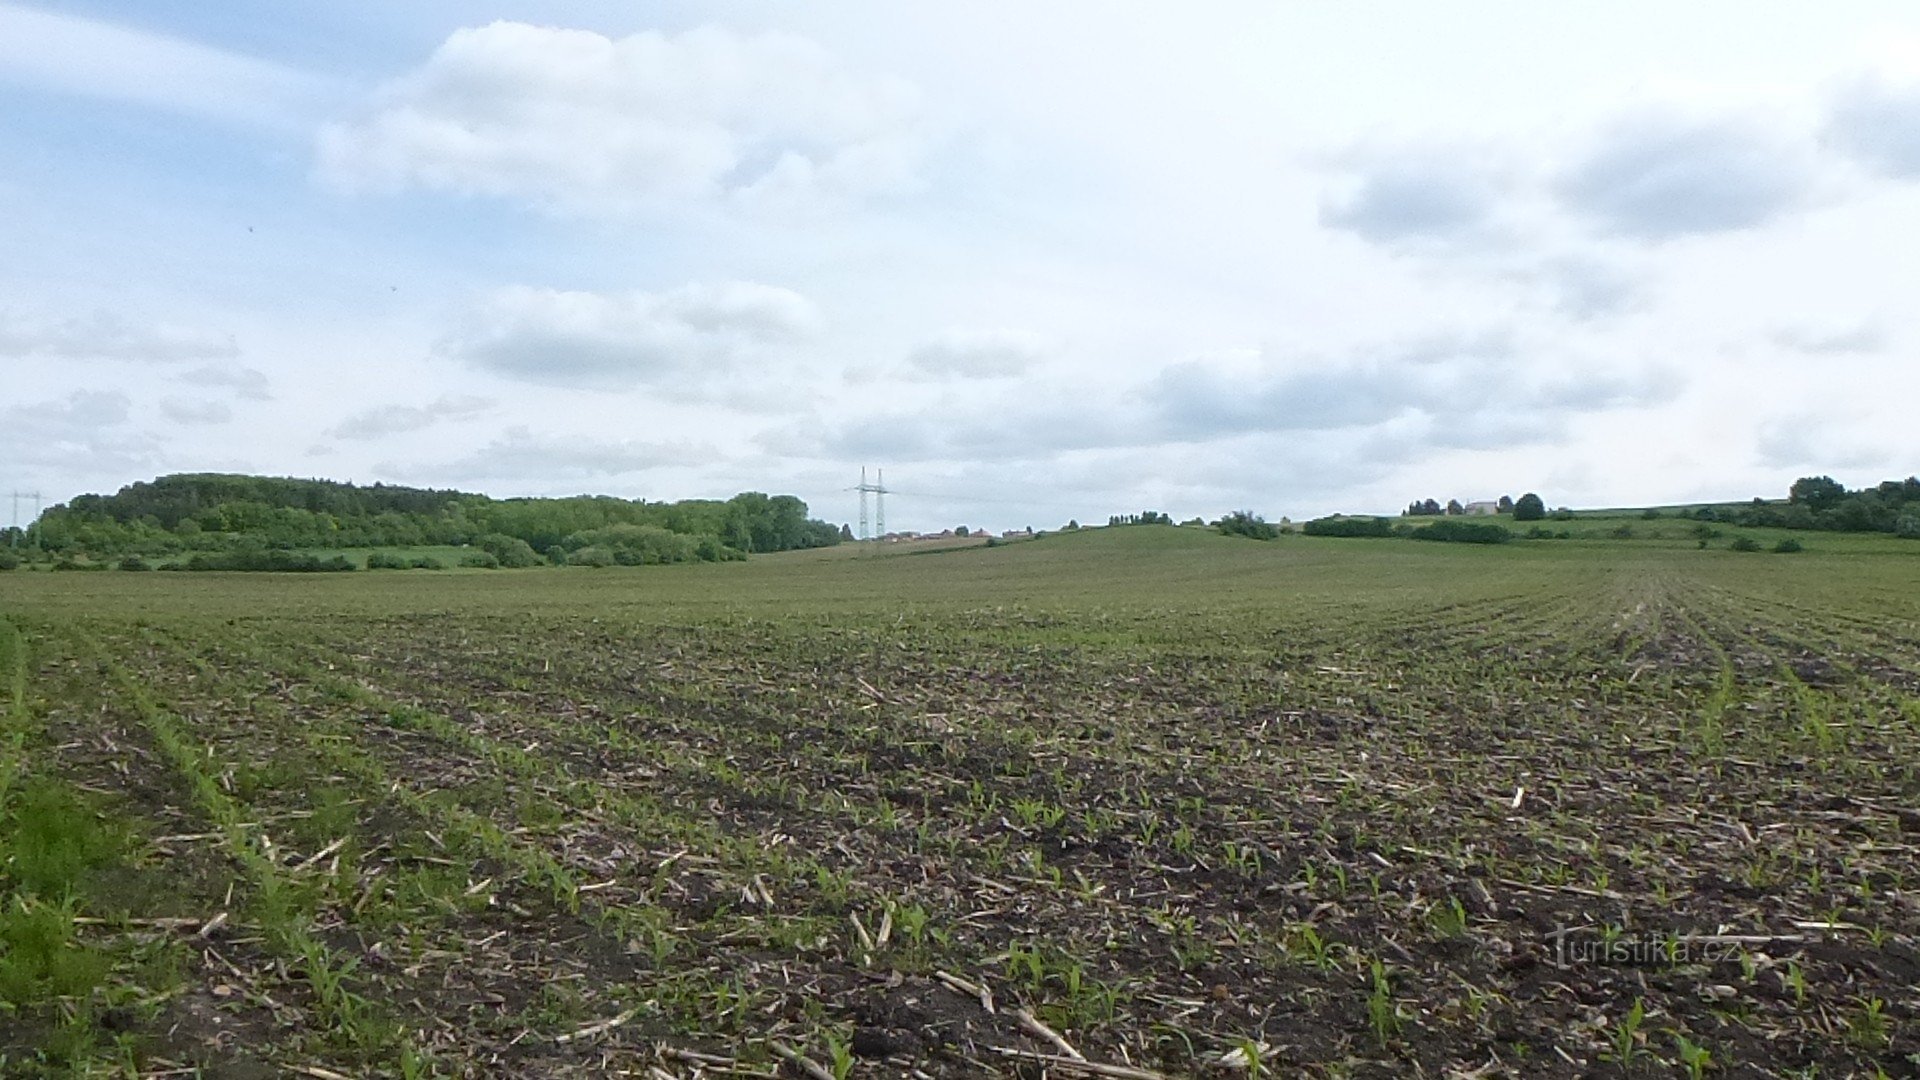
(1128, 803)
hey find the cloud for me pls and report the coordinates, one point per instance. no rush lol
(977, 354)
(1860, 338)
(1804, 440)
(94, 58)
(244, 382)
(1449, 391)
(105, 336)
(1433, 374)
(1418, 198)
(398, 419)
(1587, 290)
(1656, 177)
(578, 122)
(182, 411)
(1878, 125)
(520, 455)
(82, 427)
(590, 339)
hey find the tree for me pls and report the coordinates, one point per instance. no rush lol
(1248, 524)
(1529, 508)
(846, 534)
(1816, 492)
(959, 530)
(1454, 507)
(1506, 504)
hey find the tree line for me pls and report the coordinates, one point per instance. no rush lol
(214, 512)
(1823, 503)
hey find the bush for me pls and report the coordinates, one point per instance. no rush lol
(135, 562)
(1529, 508)
(479, 560)
(1650, 514)
(1624, 532)
(1248, 524)
(510, 552)
(9, 561)
(1745, 543)
(269, 561)
(591, 556)
(1565, 513)
(1907, 528)
(1348, 526)
(1463, 532)
(1788, 546)
(643, 545)
(1540, 532)
(381, 560)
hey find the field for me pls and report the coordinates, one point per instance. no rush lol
(1125, 803)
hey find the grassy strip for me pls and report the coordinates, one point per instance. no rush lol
(356, 1023)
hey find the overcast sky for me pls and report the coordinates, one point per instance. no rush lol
(1037, 261)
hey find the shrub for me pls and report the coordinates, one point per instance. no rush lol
(1540, 532)
(509, 551)
(1348, 526)
(1463, 532)
(426, 563)
(1745, 543)
(1788, 546)
(479, 560)
(381, 560)
(591, 556)
(1248, 524)
(9, 561)
(1624, 532)
(1565, 513)
(640, 545)
(1907, 528)
(1650, 514)
(135, 562)
(272, 561)
(1529, 508)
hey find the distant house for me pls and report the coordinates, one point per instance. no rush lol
(1487, 508)
(1016, 534)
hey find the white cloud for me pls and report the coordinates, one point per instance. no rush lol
(1419, 197)
(1657, 176)
(579, 122)
(1833, 339)
(246, 383)
(182, 411)
(625, 339)
(1877, 123)
(100, 59)
(105, 336)
(1808, 440)
(977, 354)
(520, 456)
(399, 419)
(82, 427)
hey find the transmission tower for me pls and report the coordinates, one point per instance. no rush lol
(14, 537)
(877, 489)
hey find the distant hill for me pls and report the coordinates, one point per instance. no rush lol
(229, 512)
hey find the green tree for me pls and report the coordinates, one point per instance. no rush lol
(1816, 492)
(1529, 508)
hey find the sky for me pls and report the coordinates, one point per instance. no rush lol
(1035, 261)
